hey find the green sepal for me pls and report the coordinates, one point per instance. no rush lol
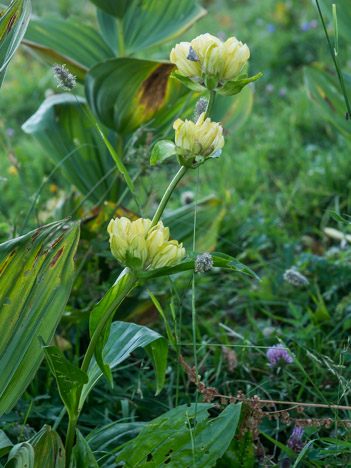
(188, 82)
(134, 263)
(234, 87)
(211, 82)
(162, 150)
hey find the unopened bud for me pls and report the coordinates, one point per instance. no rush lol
(201, 106)
(295, 278)
(64, 78)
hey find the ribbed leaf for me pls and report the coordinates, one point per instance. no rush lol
(145, 23)
(124, 338)
(21, 456)
(5, 444)
(36, 275)
(48, 448)
(83, 456)
(13, 24)
(61, 41)
(167, 439)
(126, 92)
(63, 127)
(69, 378)
(324, 90)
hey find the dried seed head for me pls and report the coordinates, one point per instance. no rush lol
(200, 107)
(64, 78)
(203, 263)
(295, 278)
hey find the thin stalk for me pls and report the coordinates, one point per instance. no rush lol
(210, 104)
(182, 171)
(120, 37)
(335, 60)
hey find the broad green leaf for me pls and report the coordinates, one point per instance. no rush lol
(68, 42)
(69, 378)
(48, 448)
(83, 456)
(343, 11)
(65, 127)
(162, 150)
(13, 24)
(107, 438)
(167, 439)
(125, 93)
(239, 453)
(123, 340)
(219, 260)
(324, 90)
(36, 275)
(21, 456)
(234, 87)
(102, 316)
(145, 23)
(5, 444)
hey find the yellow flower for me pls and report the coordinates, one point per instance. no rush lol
(12, 170)
(200, 139)
(212, 57)
(130, 240)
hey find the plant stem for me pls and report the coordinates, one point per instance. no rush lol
(182, 171)
(120, 37)
(210, 104)
(72, 423)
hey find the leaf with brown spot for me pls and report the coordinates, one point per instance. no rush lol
(125, 93)
(35, 286)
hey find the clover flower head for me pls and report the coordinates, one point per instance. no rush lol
(140, 246)
(295, 443)
(278, 353)
(207, 54)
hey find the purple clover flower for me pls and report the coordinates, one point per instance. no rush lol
(295, 443)
(271, 28)
(278, 353)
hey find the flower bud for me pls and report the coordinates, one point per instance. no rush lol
(130, 240)
(200, 139)
(207, 54)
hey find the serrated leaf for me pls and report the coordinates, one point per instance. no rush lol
(83, 456)
(13, 24)
(162, 150)
(48, 448)
(167, 439)
(124, 338)
(36, 274)
(234, 87)
(69, 378)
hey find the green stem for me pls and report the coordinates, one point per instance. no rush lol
(182, 171)
(210, 104)
(72, 424)
(120, 37)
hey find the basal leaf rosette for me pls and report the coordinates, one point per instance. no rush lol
(138, 247)
(209, 63)
(194, 142)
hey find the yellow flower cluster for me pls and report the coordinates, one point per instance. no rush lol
(212, 57)
(135, 240)
(198, 139)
